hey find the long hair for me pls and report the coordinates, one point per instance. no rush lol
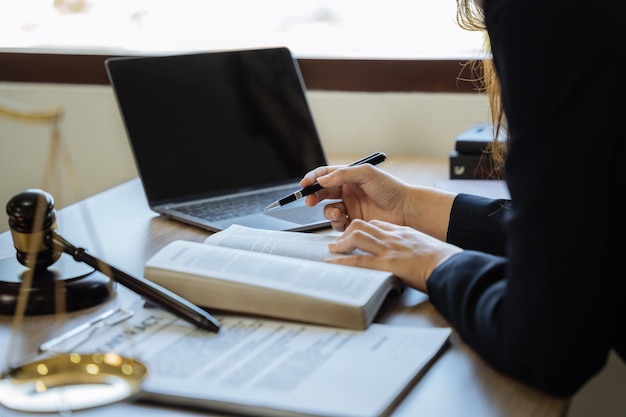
(482, 73)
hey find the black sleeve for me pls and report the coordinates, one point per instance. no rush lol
(478, 223)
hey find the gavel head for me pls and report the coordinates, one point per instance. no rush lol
(31, 219)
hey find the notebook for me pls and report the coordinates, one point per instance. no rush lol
(219, 135)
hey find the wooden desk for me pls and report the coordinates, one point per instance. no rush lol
(117, 226)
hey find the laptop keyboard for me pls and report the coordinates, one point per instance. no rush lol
(232, 207)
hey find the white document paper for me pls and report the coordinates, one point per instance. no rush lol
(266, 367)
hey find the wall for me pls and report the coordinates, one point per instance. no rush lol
(352, 123)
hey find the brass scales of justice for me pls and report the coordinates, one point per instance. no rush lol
(49, 278)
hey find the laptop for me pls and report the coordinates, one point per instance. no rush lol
(217, 136)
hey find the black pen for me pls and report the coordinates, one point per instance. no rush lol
(375, 158)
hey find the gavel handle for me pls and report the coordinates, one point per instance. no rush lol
(142, 286)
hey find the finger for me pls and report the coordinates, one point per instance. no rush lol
(336, 213)
(376, 228)
(323, 194)
(346, 175)
(384, 226)
(359, 235)
(339, 225)
(312, 176)
(363, 261)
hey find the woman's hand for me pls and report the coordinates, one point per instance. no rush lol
(369, 193)
(366, 193)
(409, 254)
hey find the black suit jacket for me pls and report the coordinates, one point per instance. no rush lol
(540, 292)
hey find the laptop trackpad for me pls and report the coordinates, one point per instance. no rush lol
(294, 217)
(300, 214)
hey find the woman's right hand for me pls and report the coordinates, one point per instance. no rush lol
(367, 193)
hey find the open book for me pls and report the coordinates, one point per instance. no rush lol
(272, 273)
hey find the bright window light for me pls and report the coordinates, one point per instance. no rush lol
(332, 28)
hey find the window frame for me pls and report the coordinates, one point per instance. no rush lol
(450, 75)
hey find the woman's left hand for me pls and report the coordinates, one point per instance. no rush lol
(409, 254)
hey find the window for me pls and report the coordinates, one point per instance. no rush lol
(390, 29)
(353, 45)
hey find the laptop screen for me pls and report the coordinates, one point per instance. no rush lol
(214, 123)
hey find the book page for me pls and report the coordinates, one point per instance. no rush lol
(312, 246)
(258, 367)
(340, 283)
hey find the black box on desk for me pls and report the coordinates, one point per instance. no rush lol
(477, 139)
(472, 167)
(469, 159)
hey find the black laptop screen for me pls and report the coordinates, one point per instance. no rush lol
(213, 123)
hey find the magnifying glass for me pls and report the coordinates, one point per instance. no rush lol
(65, 381)
(71, 381)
